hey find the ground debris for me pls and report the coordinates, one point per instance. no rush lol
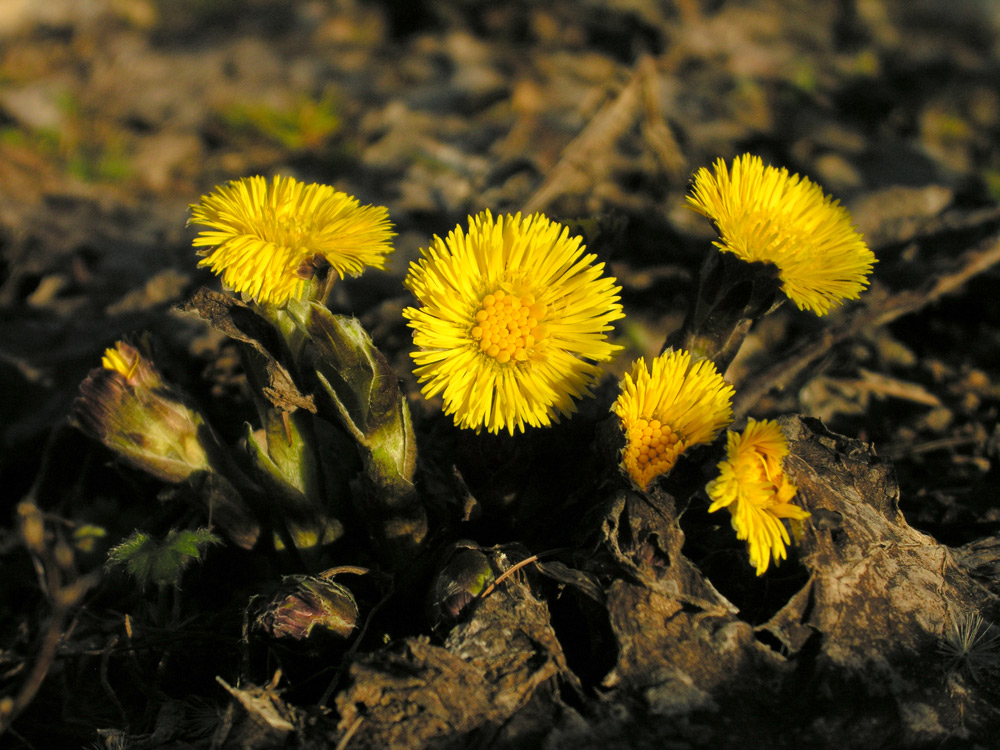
(503, 659)
(880, 596)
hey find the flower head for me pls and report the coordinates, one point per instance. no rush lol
(669, 409)
(266, 241)
(764, 214)
(513, 319)
(753, 486)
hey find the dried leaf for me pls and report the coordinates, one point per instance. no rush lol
(238, 321)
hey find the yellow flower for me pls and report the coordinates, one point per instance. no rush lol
(764, 214)
(267, 240)
(668, 410)
(513, 318)
(752, 484)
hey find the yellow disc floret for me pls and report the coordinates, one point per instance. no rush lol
(653, 448)
(507, 326)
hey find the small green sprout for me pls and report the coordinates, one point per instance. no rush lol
(161, 562)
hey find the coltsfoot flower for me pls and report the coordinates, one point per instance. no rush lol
(513, 321)
(753, 486)
(764, 214)
(267, 240)
(669, 409)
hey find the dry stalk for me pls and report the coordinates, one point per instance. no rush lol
(574, 172)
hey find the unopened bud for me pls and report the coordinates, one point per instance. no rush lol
(306, 602)
(365, 398)
(126, 360)
(464, 575)
(126, 406)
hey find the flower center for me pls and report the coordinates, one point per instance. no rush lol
(751, 470)
(507, 326)
(653, 448)
(290, 230)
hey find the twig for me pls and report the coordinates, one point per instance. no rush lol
(897, 452)
(64, 599)
(655, 128)
(507, 574)
(882, 386)
(576, 159)
(342, 744)
(106, 683)
(516, 567)
(341, 569)
(873, 315)
(52, 568)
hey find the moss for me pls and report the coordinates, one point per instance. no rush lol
(303, 125)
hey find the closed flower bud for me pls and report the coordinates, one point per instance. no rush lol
(306, 602)
(465, 574)
(364, 397)
(126, 406)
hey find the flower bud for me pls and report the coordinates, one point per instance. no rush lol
(306, 602)
(364, 397)
(464, 575)
(126, 406)
(284, 452)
